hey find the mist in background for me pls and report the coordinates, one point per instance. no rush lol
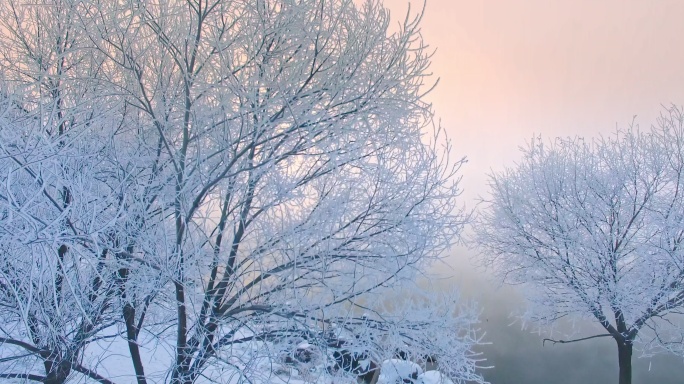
(518, 356)
(510, 70)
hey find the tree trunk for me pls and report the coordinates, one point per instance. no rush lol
(625, 362)
(57, 371)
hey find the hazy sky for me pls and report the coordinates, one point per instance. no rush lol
(511, 69)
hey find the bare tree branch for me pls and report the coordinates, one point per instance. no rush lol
(576, 340)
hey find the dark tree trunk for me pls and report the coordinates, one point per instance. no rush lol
(57, 372)
(625, 361)
(133, 347)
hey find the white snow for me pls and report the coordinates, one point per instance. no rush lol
(395, 370)
(433, 377)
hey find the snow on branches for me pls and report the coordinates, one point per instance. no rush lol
(194, 185)
(595, 229)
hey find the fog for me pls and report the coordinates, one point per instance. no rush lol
(518, 356)
(511, 70)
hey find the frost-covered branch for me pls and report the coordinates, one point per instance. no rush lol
(594, 229)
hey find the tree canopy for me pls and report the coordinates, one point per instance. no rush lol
(191, 189)
(595, 228)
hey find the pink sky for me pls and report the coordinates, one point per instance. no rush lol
(511, 69)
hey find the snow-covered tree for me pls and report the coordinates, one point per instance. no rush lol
(192, 190)
(595, 229)
(57, 282)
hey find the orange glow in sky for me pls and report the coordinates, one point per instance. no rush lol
(511, 69)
